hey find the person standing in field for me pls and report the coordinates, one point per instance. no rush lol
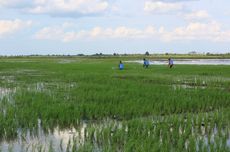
(121, 66)
(146, 63)
(170, 63)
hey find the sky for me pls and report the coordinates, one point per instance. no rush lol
(113, 26)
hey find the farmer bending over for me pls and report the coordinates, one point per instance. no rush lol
(146, 63)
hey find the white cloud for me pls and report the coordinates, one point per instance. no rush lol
(8, 2)
(162, 7)
(197, 15)
(12, 26)
(197, 31)
(16, 3)
(59, 7)
(193, 31)
(63, 6)
(59, 33)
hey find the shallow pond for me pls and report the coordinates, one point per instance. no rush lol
(187, 61)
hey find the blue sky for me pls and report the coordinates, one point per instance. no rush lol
(108, 26)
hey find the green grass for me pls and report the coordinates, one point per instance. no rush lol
(148, 101)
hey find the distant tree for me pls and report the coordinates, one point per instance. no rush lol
(101, 54)
(192, 52)
(115, 54)
(147, 53)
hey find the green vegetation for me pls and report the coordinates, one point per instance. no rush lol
(186, 108)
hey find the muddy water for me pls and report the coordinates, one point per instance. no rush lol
(187, 61)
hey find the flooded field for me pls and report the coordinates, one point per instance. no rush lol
(87, 106)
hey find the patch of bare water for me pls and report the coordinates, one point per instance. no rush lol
(25, 71)
(187, 86)
(19, 61)
(56, 139)
(66, 61)
(6, 92)
(187, 61)
(49, 86)
(7, 79)
(29, 72)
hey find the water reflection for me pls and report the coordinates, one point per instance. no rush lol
(187, 61)
(56, 140)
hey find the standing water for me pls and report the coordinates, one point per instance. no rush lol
(188, 61)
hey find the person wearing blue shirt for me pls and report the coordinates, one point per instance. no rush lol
(146, 63)
(121, 66)
(170, 62)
